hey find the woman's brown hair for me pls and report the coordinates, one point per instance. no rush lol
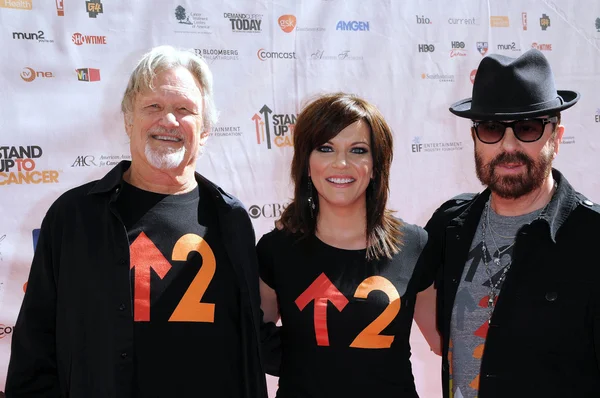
(320, 121)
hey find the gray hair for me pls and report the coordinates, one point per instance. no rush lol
(163, 58)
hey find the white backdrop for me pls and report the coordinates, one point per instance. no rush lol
(64, 67)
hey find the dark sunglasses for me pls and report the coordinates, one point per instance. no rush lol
(526, 130)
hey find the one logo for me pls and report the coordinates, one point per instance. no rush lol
(60, 8)
(499, 21)
(524, 20)
(542, 47)
(16, 4)
(598, 24)
(18, 166)
(84, 161)
(264, 55)
(353, 25)
(244, 23)
(287, 23)
(80, 39)
(482, 47)
(93, 8)
(472, 76)
(426, 48)
(544, 22)
(29, 75)
(269, 210)
(458, 49)
(422, 20)
(88, 74)
(39, 36)
(597, 116)
(277, 128)
(5, 330)
(508, 47)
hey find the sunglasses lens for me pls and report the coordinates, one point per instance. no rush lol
(490, 132)
(529, 130)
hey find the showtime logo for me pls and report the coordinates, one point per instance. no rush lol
(542, 47)
(80, 39)
(287, 23)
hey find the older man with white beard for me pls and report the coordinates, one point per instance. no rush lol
(144, 283)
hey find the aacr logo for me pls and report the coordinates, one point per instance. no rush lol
(17, 4)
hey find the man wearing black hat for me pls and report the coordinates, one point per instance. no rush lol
(515, 266)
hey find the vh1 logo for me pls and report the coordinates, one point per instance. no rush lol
(88, 74)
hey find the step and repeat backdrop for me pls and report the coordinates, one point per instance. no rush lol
(64, 66)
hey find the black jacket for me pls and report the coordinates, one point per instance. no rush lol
(74, 334)
(544, 336)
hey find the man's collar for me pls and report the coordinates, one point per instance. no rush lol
(113, 180)
(555, 213)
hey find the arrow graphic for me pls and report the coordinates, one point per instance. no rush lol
(322, 291)
(256, 118)
(265, 111)
(144, 256)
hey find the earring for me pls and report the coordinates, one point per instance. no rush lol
(311, 202)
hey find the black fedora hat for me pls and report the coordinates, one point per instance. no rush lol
(514, 88)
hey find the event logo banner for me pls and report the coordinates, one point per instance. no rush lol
(277, 128)
(16, 4)
(18, 166)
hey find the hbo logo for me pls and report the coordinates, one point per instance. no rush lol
(458, 44)
(423, 21)
(426, 48)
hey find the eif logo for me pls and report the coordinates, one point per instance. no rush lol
(88, 74)
(93, 8)
(353, 25)
(277, 128)
(544, 22)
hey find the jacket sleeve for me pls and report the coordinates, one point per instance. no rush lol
(32, 370)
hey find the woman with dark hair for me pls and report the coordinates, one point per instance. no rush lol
(339, 268)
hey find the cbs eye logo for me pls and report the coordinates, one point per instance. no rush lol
(269, 210)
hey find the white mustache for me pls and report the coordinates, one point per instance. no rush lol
(164, 131)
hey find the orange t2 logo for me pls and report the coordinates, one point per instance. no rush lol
(145, 256)
(322, 290)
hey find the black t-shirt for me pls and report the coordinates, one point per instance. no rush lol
(345, 321)
(185, 295)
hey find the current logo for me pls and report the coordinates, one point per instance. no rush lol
(277, 128)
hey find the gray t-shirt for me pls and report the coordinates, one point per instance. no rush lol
(470, 314)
